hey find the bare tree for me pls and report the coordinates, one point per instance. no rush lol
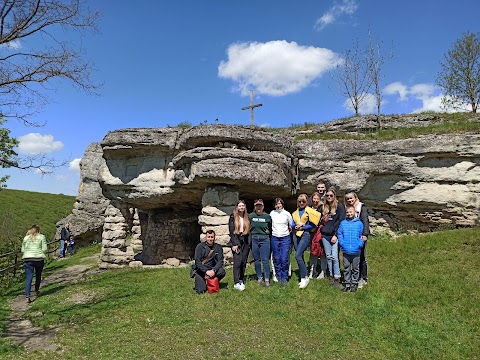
(376, 60)
(353, 77)
(460, 74)
(34, 55)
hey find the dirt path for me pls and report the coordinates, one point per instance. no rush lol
(22, 331)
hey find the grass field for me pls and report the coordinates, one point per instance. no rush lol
(19, 210)
(422, 302)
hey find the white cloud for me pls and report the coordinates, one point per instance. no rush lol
(345, 7)
(74, 165)
(429, 95)
(15, 44)
(396, 87)
(368, 106)
(423, 90)
(35, 143)
(275, 68)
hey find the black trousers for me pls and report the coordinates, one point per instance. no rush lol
(240, 261)
(201, 283)
(364, 263)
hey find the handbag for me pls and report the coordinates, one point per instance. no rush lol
(193, 269)
(213, 285)
(316, 248)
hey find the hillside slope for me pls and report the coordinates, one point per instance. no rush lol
(19, 210)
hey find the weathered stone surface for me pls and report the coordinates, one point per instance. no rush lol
(213, 211)
(213, 220)
(177, 183)
(171, 262)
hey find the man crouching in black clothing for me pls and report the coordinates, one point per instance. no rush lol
(208, 261)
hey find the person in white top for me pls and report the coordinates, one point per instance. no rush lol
(281, 229)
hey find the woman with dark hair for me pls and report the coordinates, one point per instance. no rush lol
(333, 213)
(351, 198)
(317, 204)
(34, 249)
(281, 229)
(239, 227)
(305, 219)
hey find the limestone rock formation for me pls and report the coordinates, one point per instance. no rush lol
(150, 194)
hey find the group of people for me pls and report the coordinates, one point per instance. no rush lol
(34, 252)
(340, 225)
(66, 241)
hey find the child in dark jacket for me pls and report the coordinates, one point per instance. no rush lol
(351, 242)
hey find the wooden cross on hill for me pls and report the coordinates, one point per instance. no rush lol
(251, 107)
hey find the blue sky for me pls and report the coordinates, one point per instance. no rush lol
(166, 62)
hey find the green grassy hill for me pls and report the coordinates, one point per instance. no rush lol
(422, 302)
(19, 210)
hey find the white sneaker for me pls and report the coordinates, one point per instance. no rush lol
(239, 287)
(304, 282)
(321, 276)
(242, 285)
(361, 284)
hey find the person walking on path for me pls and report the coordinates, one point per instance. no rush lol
(34, 249)
(64, 237)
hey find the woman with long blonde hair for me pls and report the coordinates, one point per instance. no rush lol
(239, 228)
(34, 249)
(333, 213)
(305, 220)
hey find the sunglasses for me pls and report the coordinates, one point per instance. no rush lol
(329, 195)
(301, 201)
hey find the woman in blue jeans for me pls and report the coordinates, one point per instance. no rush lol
(305, 219)
(333, 213)
(34, 249)
(281, 229)
(261, 230)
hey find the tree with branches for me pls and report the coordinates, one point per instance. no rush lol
(352, 77)
(33, 56)
(459, 77)
(376, 60)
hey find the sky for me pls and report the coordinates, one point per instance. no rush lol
(162, 63)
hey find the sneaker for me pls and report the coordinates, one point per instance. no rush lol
(321, 276)
(260, 281)
(346, 289)
(304, 282)
(275, 278)
(239, 287)
(27, 300)
(267, 284)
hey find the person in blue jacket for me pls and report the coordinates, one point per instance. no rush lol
(351, 242)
